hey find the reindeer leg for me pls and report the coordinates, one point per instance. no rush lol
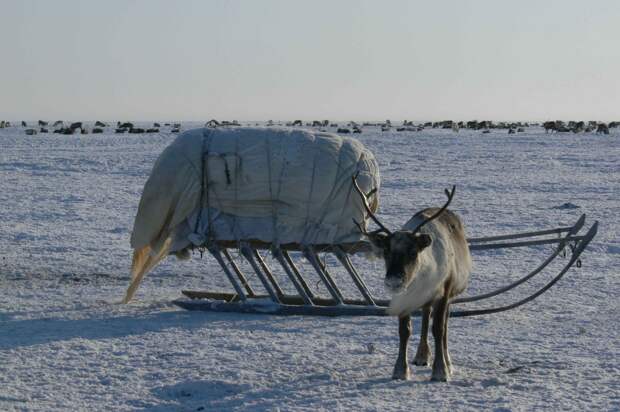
(440, 368)
(423, 354)
(445, 342)
(401, 369)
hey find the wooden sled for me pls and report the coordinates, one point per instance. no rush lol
(305, 302)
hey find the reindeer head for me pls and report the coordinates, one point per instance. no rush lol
(401, 249)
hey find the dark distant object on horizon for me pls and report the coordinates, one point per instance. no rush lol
(602, 129)
(446, 124)
(156, 124)
(343, 130)
(577, 127)
(77, 125)
(478, 125)
(31, 132)
(126, 125)
(71, 129)
(566, 206)
(552, 125)
(24, 124)
(560, 126)
(223, 123)
(152, 130)
(212, 123)
(58, 123)
(42, 123)
(43, 130)
(99, 124)
(97, 130)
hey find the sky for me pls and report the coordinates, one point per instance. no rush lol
(288, 59)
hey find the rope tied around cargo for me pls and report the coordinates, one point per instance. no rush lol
(309, 201)
(197, 238)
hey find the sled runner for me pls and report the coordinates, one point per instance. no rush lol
(307, 302)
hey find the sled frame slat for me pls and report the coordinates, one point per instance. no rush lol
(357, 279)
(302, 281)
(293, 276)
(321, 270)
(267, 272)
(216, 252)
(246, 251)
(239, 273)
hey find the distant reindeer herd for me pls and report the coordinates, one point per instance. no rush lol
(554, 126)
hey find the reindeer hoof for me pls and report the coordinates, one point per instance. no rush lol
(401, 375)
(421, 361)
(422, 356)
(440, 377)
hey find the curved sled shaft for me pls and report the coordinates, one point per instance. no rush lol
(579, 248)
(575, 228)
(562, 245)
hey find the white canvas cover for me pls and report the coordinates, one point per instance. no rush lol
(272, 185)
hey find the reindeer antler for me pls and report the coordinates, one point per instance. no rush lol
(450, 195)
(368, 210)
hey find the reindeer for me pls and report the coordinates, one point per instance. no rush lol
(428, 263)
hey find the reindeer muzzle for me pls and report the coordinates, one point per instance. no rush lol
(394, 284)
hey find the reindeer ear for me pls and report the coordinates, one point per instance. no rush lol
(379, 240)
(423, 241)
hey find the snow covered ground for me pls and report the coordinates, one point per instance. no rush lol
(67, 205)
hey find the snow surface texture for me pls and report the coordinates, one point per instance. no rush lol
(67, 204)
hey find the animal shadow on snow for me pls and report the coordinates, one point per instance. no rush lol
(197, 395)
(29, 332)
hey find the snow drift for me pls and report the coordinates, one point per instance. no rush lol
(255, 184)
